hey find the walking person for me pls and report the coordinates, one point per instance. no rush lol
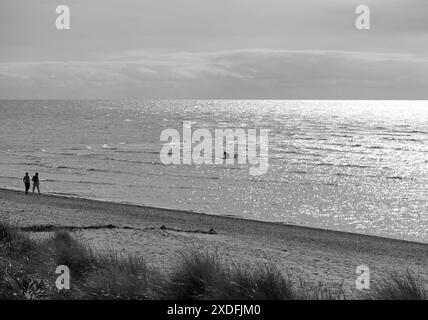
(36, 183)
(26, 182)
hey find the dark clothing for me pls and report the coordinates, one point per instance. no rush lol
(26, 183)
(36, 183)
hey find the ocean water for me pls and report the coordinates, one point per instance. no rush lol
(358, 166)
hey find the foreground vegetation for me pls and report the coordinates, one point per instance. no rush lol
(27, 271)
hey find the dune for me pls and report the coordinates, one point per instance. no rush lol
(161, 236)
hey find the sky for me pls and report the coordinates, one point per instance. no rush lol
(214, 49)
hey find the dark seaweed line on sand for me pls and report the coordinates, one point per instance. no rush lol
(52, 228)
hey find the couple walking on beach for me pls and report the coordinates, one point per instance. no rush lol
(36, 183)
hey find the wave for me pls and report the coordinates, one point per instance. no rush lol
(342, 165)
(129, 151)
(108, 147)
(334, 184)
(399, 178)
(410, 131)
(340, 174)
(137, 152)
(310, 139)
(343, 145)
(324, 164)
(335, 150)
(353, 166)
(95, 183)
(132, 161)
(395, 178)
(12, 178)
(26, 164)
(33, 164)
(341, 135)
(66, 153)
(66, 167)
(403, 140)
(86, 182)
(298, 171)
(106, 170)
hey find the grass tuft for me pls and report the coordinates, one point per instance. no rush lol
(195, 276)
(203, 276)
(262, 282)
(15, 244)
(119, 278)
(7, 233)
(398, 286)
(80, 259)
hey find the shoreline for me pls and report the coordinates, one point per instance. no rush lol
(191, 212)
(161, 236)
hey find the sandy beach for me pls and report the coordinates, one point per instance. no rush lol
(161, 236)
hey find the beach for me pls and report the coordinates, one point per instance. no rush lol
(353, 166)
(161, 236)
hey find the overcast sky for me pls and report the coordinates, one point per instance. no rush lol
(240, 49)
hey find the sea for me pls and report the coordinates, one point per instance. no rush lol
(354, 166)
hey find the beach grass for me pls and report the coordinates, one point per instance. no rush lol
(399, 286)
(14, 244)
(27, 271)
(203, 275)
(67, 251)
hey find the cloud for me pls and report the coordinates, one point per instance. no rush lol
(251, 73)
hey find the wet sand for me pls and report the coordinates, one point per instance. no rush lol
(161, 236)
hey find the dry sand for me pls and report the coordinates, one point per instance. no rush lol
(318, 255)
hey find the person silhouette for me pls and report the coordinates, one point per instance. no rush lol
(26, 182)
(36, 183)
